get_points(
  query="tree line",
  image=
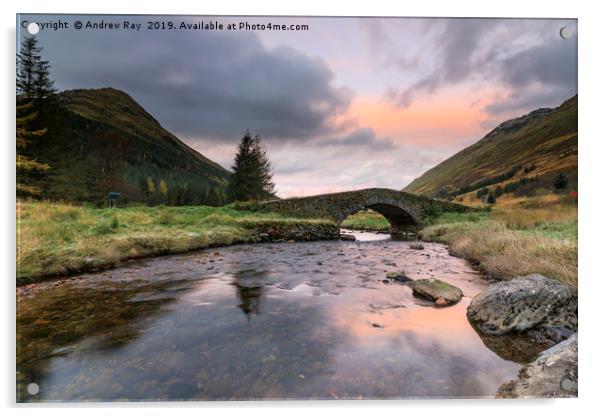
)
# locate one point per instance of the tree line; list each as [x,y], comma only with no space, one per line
[35,89]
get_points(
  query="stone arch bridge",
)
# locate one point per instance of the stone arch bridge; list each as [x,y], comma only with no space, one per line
[406,212]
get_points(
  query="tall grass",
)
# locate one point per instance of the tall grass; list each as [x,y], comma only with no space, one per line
[58,238]
[367,220]
[514,242]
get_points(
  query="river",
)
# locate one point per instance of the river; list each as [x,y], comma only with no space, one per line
[265,321]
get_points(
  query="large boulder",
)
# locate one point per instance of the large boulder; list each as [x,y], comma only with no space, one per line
[552,374]
[532,304]
[443,294]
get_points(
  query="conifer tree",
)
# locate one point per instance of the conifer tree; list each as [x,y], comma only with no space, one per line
[27,61]
[43,86]
[33,73]
[252,178]
[561,181]
[24,136]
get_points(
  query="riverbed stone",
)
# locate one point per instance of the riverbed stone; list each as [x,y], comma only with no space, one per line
[347,237]
[440,302]
[436,290]
[401,277]
[552,374]
[531,304]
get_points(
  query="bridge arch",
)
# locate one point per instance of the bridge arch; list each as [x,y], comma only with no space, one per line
[401,217]
[406,212]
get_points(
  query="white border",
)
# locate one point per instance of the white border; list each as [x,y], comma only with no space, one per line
[589,192]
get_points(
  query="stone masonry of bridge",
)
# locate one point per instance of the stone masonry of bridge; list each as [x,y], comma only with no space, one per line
[406,212]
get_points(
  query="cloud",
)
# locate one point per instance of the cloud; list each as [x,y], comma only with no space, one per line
[525,57]
[213,85]
[457,44]
[301,170]
[362,137]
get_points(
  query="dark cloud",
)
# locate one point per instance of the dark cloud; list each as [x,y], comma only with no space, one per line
[518,102]
[362,137]
[551,63]
[204,84]
[457,46]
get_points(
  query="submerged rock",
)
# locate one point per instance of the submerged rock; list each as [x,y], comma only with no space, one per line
[535,304]
[347,237]
[401,276]
[552,374]
[437,291]
[417,246]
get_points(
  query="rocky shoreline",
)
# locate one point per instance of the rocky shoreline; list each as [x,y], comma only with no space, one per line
[543,310]
[262,233]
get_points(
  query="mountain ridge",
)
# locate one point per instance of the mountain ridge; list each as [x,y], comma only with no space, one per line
[539,145]
[102,140]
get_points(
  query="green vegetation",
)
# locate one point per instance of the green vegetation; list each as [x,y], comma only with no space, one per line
[60,238]
[366,220]
[541,145]
[252,173]
[536,236]
[26,165]
[516,238]
[35,92]
[33,73]
[561,181]
[102,140]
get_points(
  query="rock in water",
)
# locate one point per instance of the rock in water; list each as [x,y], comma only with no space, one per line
[347,237]
[552,374]
[532,303]
[435,289]
[417,246]
[401,277]
[440,302]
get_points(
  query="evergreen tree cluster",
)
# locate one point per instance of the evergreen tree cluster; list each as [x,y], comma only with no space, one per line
[34,87]
[25,134]
[33,72]
[252,177]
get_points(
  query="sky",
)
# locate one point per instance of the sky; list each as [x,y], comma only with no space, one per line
[349,103]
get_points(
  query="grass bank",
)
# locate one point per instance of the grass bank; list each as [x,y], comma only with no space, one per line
[368,220]
[519,236]
[60,238]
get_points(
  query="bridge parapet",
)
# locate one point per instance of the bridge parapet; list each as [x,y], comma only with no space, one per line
[405,211]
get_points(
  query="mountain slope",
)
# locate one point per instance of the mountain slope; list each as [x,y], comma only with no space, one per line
[537,146]
[102,140]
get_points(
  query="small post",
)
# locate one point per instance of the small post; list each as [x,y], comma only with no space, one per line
[113,196]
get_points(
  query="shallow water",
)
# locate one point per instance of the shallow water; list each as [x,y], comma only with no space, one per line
[266,321]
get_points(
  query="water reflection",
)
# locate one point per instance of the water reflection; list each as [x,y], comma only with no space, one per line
[311,320]
[250,299]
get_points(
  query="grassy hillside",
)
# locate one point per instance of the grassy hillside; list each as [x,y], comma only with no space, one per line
[530,149]
[102,140]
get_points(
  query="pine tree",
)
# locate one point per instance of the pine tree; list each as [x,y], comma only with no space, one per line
[43,86]
[33,73]
[24,135]
[27,61]
[561,181]
[252,178]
